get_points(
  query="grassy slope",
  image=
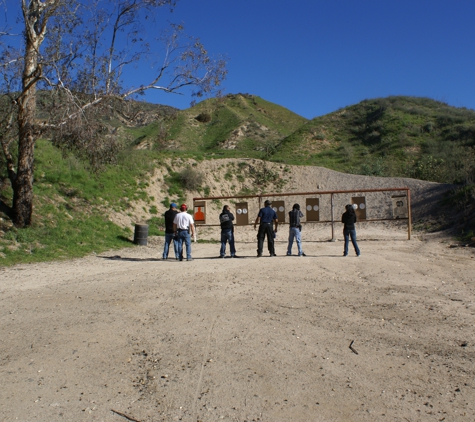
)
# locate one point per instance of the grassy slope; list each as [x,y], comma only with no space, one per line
[71,207]
[394,136]
[260,122]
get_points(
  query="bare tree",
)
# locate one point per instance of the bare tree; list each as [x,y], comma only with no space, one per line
[77,53]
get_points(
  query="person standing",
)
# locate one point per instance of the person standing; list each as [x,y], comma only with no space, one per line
[170,215]
[295,229]
[226,219]
[265,218]
[184,228]
[348,218]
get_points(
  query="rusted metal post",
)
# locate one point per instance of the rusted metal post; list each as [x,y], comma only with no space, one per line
[259,206]
[333,219]
[409,215]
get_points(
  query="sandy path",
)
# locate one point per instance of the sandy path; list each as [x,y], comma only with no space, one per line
[242,339]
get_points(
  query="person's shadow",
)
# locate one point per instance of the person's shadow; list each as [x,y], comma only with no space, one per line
[125,239]
[120,258]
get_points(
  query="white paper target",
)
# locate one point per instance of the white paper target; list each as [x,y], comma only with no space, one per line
[281,208]
[362,206]
[275,209]
[355,206]
[239,211]
[244,211]
[316,208]
[309,208]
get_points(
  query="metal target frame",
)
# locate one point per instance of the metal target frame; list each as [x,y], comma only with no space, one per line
[405,199]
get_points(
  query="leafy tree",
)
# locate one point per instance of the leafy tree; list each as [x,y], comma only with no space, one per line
[73,58]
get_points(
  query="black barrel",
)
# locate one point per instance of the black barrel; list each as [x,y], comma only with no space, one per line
[141,234]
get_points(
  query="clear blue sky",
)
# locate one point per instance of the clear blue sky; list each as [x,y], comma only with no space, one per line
[314,57]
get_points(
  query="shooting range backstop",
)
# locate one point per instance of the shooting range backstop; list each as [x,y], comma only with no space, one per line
[371,205]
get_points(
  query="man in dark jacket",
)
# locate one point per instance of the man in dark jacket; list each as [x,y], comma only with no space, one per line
[294,230]
[226,219]
[169,233]
[265,218]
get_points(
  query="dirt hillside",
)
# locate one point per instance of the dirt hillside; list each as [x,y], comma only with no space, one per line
[228,177]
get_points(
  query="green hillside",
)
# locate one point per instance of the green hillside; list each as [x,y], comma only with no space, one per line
[394,136]
[239,125]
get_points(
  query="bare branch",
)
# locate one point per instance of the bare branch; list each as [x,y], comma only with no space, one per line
[77,53]
[9,34]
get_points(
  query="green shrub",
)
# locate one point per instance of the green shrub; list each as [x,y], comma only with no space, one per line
[376,167]
[203,117]
[156,226]
[188,179]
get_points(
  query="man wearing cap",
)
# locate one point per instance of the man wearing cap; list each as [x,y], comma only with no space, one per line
[265,218]
[183,225]
[170,215]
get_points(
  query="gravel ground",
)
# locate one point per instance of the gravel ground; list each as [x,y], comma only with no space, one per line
[126,336]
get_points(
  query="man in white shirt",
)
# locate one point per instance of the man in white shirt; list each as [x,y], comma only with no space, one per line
[184,228]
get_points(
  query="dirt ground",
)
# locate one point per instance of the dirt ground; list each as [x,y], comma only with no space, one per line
[125,336]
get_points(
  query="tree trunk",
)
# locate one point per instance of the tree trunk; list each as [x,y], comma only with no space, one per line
[23,183]
[23,180]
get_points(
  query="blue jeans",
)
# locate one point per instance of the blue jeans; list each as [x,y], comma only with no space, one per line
[169,238]
[347,234]
[294,233]
[227,236]
[184,236]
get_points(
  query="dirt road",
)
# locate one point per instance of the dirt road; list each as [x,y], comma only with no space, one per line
[126,336]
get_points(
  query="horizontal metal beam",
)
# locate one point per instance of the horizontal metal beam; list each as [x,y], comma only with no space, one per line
[325,192]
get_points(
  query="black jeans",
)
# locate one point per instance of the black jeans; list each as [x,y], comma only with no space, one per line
[265,229]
